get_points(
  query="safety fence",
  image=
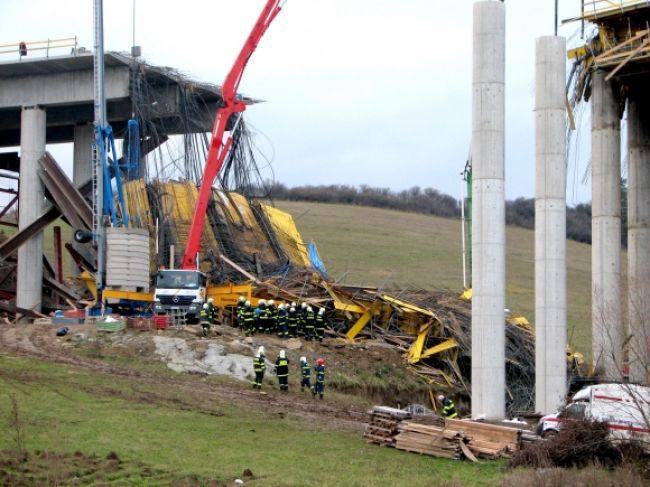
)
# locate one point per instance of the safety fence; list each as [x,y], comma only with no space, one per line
[46,47]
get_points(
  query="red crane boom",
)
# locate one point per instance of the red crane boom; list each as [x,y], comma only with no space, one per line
[219,148]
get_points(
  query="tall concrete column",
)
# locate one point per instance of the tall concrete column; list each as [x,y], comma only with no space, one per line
[488,205]
[638,232]
[29,275]
[607,329]
[82,171]
[550,223]
[82,157]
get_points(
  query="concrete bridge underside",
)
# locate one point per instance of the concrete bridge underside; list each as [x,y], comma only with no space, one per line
[51,100]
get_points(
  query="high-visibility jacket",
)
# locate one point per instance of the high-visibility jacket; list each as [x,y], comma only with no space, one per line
[320,321]
[309,319]
[263,313]
[292,319]
[273,312]
[282,367]
[240,308]
[305,369]
[248,315]
[259,365]
[204,316]
[282,317]
[320,374]
[449,409]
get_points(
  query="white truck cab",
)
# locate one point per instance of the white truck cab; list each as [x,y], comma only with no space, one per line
[624,407]
[180,291]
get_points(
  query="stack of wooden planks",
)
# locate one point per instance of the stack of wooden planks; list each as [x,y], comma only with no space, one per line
[384,424]
[430,440]
[487,440]
[445,438]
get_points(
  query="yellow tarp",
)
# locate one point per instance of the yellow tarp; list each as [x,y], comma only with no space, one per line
[287,235]
[243,231]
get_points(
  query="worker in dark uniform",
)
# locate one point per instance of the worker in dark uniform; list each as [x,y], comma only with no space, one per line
[282,370]
[241,304]
[272,317]
[448,407]
[302,316]
[212,311]
[309,324]
[319,386]
[259,366]
[261,316]
[283,324]
[292,322]
[319,324]
[305,374]
[204,319]
[248,319]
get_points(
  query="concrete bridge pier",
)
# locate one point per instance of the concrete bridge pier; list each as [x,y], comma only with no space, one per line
[488,219]
[29,275]
[638,233]
[607,328]
[550,223]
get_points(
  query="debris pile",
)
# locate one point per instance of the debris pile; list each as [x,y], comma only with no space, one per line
[431,328]
[578,444]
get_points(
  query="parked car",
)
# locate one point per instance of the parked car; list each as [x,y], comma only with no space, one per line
[624,407]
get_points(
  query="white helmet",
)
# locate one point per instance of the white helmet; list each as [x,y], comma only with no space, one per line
[210,300]
[283,354]
[309,308]
[303,359]
[292,309]
[321,311]
[303,305]
[242,299]
[247,303]
[441,397]
[261,351]
[205,306]
[271,302]
[261,301]
[293,305]
[280,306]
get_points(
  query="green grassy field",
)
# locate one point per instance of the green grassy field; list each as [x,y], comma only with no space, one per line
[392,249]
[162,436]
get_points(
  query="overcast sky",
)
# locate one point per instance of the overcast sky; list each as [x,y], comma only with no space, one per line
[372,92]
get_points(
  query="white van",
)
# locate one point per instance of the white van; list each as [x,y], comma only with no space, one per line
[624,407]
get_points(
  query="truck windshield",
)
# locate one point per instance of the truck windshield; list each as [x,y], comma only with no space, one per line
[179,280]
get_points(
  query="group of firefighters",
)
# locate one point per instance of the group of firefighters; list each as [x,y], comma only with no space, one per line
[282,372]
[285,320]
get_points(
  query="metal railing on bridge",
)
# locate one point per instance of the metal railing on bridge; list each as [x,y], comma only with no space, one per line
[46,47]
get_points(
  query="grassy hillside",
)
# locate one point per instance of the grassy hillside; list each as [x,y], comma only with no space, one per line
[129,422]
[391,249]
